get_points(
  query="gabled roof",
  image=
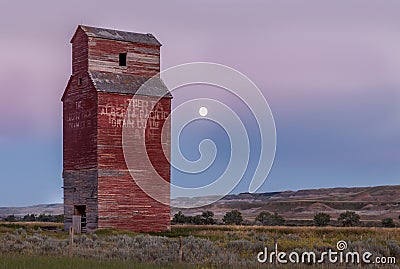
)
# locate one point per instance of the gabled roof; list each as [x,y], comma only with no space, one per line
[66,88]
[148,39]
[128,84]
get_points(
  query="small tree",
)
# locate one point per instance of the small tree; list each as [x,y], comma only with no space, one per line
[388,223]
[349,218]
[10,218]
[30,217]
[179,218]
[322,219]
[59,218]
[267,218]
[263,217]
[233,217]
[207,218]
[45,218]
[196,220]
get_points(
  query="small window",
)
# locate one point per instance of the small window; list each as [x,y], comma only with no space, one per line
[79,81]
[122,59]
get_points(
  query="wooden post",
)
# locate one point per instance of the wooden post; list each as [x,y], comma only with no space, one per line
[359,251]
[71,241]
[180,249]
[276,251]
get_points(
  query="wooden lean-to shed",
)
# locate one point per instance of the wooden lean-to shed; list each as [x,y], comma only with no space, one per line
[108,68]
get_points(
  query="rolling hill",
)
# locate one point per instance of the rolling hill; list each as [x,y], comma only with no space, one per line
[371,203]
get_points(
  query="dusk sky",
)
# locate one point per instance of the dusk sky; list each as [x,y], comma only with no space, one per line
[330,71]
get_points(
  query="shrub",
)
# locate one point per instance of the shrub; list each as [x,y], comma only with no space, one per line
[349,218]
[50,218]
[388,223]
[233,217]
[179,218]
[322,219]
[267,218]
[11,218]
[207,218]
[30,217]
[394,248]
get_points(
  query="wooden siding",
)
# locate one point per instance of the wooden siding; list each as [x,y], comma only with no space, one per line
[80,125]
[95,173]
[142,60]
[121,203]
[80,188]
[79,52]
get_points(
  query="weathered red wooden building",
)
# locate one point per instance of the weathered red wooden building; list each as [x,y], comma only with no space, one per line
[108,68]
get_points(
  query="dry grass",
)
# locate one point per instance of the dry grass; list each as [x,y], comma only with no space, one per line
[212,246]
[32,224]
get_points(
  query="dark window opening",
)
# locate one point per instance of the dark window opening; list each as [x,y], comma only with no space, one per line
[80,210]
[79,81]
[122,59]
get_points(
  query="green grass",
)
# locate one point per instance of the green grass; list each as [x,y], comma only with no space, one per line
[111,231]
[219,232]
[288,237]
[35,227]
[43,262]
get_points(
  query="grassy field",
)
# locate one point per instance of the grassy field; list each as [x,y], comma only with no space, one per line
[43,262]
[36,245]
[288,237]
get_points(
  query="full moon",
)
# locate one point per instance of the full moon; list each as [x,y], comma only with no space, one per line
[203,111]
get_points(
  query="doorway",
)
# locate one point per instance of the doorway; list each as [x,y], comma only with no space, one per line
[80,217]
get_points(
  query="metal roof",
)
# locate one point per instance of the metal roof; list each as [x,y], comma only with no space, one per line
[120,35]
[129,84]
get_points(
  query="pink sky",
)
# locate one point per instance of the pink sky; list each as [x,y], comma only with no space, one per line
[329,69]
